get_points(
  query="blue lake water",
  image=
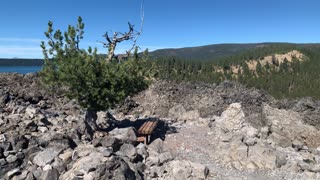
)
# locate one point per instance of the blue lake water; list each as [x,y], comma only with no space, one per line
[20,69]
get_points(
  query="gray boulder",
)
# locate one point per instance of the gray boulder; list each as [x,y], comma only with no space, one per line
[4,99]
[124,134]
[232,119]
[177,170]
[47,156]
[289,126]
[176,111]
[142,150]
[156,147]
[51,174]
[31,112]
[93,164]
[297,145]
[281,160]
[112,142]
[13,172]
[165,157]
[129,150]
[20,142]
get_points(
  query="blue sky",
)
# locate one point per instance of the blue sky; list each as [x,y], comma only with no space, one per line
[168,23]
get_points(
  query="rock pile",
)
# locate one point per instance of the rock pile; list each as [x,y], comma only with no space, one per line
[285,142]
[193,101]
[41,138]
[249,130]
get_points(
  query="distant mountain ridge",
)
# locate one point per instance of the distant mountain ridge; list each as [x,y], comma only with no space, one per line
[215,51]
[206,52]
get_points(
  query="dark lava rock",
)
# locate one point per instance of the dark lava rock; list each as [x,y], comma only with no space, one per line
[4,99]
[20,142]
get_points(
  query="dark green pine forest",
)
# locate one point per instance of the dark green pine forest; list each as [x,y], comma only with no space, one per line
[286,79]
[215,63]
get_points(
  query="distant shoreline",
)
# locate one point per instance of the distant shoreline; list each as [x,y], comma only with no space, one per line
[21,62]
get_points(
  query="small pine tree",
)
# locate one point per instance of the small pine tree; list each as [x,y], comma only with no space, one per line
[284,66]
[95,83]
[259,68]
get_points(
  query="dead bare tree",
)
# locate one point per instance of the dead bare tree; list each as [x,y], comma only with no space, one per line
[119,37]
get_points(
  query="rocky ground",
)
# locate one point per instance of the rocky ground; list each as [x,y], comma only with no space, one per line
[205,132]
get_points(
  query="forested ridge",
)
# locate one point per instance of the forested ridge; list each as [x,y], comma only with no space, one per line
[217,62]
[218,51]
[291,79]
[208,52]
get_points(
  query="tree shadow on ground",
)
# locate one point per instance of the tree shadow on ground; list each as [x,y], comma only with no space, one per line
[162,128]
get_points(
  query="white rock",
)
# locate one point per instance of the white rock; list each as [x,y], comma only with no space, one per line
[31,111]
[231,119]
[42,129]
[264,132]
[47,167]
[2,138]
[251,165]
[66,155]
[13,172]
[250,141]
[89,176]
[11,158]
[251,132]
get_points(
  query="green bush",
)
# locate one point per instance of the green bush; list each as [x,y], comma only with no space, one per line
[85,75]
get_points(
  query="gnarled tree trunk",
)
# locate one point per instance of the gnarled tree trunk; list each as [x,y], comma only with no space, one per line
[112,48]
[89,126]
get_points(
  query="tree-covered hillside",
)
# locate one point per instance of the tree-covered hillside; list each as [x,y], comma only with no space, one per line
[289,77]
[216,63]
[210,52]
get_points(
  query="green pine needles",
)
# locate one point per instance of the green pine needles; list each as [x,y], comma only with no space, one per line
[86,76]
